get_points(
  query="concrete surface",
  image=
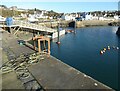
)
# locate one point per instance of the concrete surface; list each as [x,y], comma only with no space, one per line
[54,74]
[10,81]
[50,73]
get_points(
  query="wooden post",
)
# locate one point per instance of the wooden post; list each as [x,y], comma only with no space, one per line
[39,46]
[10,30]
[3,26]
[33,33]
[34,44]
[44,44]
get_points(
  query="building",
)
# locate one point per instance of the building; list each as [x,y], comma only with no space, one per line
[116,17]
[3,7]
[88,17]
[41,14]
[68,17]
[13,8]
[22,10]
[32,18]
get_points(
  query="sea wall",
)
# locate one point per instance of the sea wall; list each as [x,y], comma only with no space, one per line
[118,31]
[88,23]
[84,23]
[55,24]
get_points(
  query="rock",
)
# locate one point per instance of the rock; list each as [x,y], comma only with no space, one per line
[118,31]
[95,84]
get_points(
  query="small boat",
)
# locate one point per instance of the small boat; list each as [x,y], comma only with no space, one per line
[69,31]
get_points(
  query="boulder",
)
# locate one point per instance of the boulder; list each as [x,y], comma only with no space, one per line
[118,31]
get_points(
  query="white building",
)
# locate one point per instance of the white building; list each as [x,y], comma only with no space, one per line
[41,14]
[32,18]
[101,18]
[68,17]
[22,10]
[13,8]
[116,17]
[2,19]
[95,18]
[88,17]
[23,15]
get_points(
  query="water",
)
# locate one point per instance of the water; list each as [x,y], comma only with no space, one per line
[82,51]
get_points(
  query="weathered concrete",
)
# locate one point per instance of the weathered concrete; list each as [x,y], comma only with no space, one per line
[54,74]
[10,81]
[84,23]
[11,49]
[11,46]
[50,73]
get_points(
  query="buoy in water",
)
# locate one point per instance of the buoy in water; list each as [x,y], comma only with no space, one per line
[108,47]
[104,49]
[58,42]
[101,52]
[113,47]
[117,48]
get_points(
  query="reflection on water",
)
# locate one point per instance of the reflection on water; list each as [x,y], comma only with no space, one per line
[82,51]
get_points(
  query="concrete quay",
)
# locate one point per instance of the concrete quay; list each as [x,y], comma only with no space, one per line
[50,73]
[54,74]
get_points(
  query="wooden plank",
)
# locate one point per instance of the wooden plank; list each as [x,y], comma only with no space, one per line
[17,30]
[39,46]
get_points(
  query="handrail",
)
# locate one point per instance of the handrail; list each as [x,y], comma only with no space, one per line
[33,26]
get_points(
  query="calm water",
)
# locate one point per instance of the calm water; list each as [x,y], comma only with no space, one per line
[82,51]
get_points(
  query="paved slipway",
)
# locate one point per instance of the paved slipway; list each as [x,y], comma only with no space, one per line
[50,73]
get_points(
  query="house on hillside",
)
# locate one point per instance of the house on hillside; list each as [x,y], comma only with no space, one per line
[32,18]
[41,14]
[2,19]
[13,8]
[88,17]
[68,17]
[116,17]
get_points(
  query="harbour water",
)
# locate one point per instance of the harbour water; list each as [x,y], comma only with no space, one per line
[82,51]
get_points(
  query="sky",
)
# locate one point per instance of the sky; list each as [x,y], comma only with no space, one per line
[66,7]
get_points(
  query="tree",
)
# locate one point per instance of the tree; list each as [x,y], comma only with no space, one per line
[3,6]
